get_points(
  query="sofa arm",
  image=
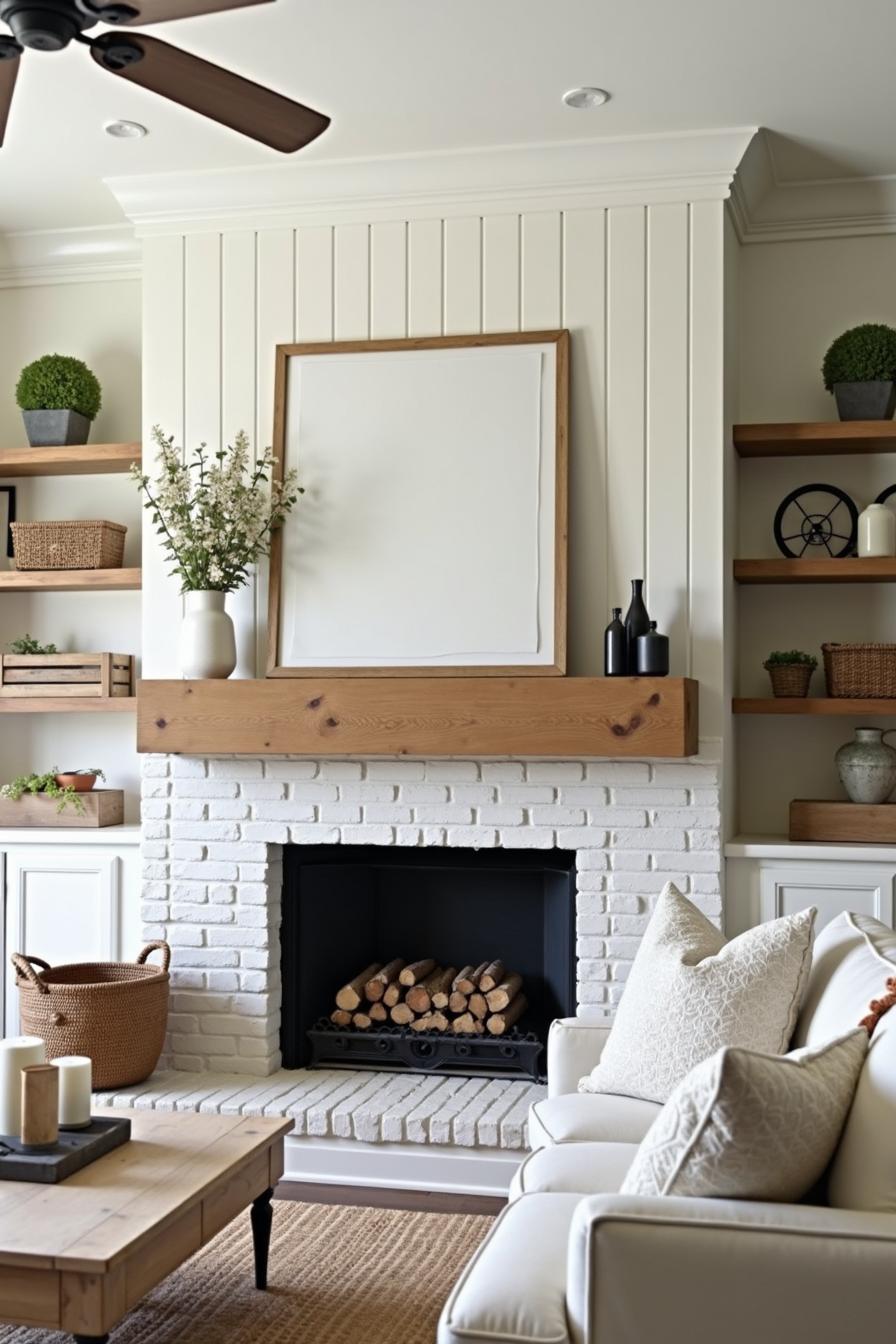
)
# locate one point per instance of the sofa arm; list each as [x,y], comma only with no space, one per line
[574,1047]
[706,1270]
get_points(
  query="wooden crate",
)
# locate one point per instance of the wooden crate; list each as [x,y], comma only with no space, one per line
[848,823]
[102,807]
[79,675]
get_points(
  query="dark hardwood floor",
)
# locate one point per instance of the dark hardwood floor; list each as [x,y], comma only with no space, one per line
[373,1197]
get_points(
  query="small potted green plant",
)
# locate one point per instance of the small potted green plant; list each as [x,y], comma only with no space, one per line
[790,672]
[860,369]
[58,397]
[65,788]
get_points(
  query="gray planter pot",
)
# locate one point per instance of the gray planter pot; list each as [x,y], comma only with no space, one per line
[55,428]
[865,401]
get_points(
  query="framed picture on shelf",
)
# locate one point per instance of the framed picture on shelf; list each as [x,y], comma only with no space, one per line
[431,537]
[7,516]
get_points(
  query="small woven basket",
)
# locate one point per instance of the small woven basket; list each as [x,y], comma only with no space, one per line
[114,1012]
[93,544]
[789,680]
[860,671]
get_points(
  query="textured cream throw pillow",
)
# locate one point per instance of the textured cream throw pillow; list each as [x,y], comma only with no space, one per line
[689,993]
[749,1126]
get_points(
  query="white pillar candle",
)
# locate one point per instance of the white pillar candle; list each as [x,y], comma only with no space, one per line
[75,1078]
[16,1054]
[877,531]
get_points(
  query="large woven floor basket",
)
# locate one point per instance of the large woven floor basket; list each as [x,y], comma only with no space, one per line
[115,1012]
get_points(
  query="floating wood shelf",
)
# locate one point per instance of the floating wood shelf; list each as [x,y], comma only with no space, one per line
[67,704]
[768,704]
[90,459]
[70,580]
[852,569]
[816,439]
[421,716]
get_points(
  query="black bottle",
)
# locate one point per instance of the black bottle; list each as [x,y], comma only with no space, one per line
[637,622]
[615,647]
[653,654]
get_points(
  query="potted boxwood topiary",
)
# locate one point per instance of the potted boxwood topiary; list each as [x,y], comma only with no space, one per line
[59,397]
[790,672]
[860,369]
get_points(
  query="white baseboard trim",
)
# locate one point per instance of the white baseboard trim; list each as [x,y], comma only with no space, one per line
[402,1166]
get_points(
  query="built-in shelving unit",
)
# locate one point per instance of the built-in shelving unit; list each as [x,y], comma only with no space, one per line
[814,705]
[93,459]
[70,580]
[851,569]
[816,438]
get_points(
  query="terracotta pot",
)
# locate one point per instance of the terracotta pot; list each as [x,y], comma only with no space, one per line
[80,783]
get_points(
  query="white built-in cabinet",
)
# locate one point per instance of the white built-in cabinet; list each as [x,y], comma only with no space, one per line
[767,878]
[68,896]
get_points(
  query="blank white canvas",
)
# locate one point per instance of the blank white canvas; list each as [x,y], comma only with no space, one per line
[426,533]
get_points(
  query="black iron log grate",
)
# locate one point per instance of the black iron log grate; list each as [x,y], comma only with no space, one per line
[514,1055]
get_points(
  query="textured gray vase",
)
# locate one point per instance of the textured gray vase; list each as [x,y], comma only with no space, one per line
[874,400]
[867,766]
[47,429]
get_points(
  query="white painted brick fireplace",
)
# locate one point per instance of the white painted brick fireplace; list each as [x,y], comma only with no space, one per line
[214,828]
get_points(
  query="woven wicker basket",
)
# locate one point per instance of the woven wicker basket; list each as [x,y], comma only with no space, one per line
[860,671]
[94,544]
[789,680]
[115,1012]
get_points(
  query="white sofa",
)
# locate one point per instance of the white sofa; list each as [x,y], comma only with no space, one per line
[571,1260]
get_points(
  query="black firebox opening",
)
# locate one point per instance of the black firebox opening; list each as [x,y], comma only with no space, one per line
[345,906]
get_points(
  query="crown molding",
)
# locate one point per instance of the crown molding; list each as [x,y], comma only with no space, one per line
[69,256]
[764,209]
[624,170]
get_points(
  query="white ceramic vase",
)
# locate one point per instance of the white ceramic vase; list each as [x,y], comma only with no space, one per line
[877,531]
[207,643]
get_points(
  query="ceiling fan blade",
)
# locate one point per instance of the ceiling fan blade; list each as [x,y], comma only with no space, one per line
[9,69]
[210,90]
[133,12]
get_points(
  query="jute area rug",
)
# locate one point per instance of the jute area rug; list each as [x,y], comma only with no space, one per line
[337,1275]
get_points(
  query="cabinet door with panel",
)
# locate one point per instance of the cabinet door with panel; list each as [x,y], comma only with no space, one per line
[864,888]
[61,905]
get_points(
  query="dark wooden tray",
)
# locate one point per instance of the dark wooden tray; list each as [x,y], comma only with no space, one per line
[75,1149]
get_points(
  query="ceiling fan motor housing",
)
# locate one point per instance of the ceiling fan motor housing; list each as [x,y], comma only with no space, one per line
[44,25]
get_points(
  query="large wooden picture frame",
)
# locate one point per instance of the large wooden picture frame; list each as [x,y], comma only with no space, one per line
[431,538]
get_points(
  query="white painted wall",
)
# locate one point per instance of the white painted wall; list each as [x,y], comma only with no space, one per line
[794,298]
[639,286]
[99,322]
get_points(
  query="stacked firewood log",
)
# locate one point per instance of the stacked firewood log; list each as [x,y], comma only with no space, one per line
[473,1001]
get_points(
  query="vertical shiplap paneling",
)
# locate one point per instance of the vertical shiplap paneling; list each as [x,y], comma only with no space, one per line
[707,437]
[238,362]
[314,283]
[462,304]
[275,318]
[667,425]
[584,306]
[501,273]
[388,280]
[424,278]
[626,241]
[541,260]
[163,404]
[202,341]
[351,260]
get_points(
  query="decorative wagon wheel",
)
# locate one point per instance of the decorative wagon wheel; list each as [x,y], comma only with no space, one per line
[886,495]
[818,519]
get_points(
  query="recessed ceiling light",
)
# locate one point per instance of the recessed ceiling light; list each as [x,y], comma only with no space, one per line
[585,98]
[125,130]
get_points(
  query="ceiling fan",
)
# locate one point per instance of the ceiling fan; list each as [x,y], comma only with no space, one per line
[50,25]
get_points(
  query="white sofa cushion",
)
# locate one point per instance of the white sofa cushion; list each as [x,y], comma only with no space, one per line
[744,1125]
[580,1117]
[851,960]
[514,1287]
[690,993]
[586,1168]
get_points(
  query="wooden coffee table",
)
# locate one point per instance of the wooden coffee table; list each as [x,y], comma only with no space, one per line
[77,1256]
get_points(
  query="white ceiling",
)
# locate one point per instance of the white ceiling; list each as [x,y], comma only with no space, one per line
[405,76]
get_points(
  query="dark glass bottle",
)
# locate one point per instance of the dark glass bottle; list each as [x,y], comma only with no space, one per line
[615,647]
[653,654]
[637,622]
